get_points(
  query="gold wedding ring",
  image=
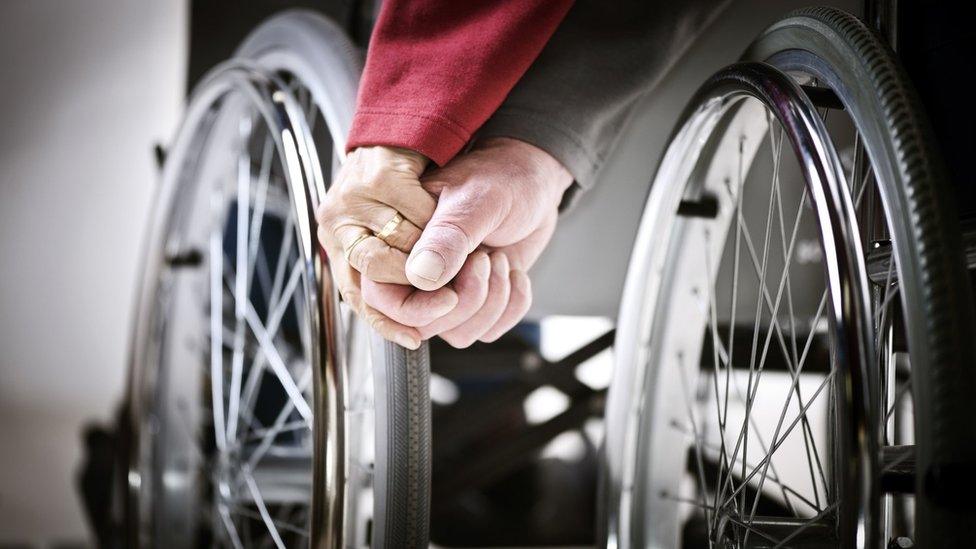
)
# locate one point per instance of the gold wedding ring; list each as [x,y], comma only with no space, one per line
[390,226]
[384,233]
[356,242]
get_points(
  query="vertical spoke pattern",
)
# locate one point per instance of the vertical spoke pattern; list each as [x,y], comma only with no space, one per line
[265,337]
[748,479]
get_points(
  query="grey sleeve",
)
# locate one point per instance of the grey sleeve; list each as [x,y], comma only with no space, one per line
[579,93]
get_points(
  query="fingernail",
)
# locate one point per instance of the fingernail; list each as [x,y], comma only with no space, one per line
[428,265]
[406,341]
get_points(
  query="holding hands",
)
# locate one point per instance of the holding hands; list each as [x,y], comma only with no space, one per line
[444,253]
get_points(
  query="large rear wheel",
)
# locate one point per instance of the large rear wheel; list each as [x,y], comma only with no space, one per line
[779,316]
[262,411]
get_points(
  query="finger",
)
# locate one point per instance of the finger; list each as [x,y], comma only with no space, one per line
[391,177]
[347,281]
[402,234]
[471,286]
[499,289]
[396,230]
[411,200]
[518,305]
[372,257]
[458,226]
[522,255]
[408,305]
[391,330]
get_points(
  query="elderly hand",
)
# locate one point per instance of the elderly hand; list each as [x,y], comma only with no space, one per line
[496,210]
[374,186]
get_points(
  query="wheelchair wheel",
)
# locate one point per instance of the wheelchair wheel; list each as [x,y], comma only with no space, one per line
[794,346]
[262,412]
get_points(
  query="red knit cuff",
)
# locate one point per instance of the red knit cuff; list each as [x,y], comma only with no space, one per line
[433,136]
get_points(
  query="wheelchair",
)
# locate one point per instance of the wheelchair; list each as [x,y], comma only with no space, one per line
[793,354]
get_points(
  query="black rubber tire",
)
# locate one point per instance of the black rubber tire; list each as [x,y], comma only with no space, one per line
[403,447]
[937,299]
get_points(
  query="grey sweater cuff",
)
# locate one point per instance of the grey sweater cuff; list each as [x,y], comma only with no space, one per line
[582,89]
[546,133]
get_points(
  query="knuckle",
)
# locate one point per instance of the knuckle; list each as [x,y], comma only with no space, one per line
[451,236]
[369,181]
[404,238]
[324,235]
[375,319]
[322,210]
[522,289]
[427,332]
[361,259]
[406,315]
[350,296]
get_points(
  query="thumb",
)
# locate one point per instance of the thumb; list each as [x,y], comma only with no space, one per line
[457,228]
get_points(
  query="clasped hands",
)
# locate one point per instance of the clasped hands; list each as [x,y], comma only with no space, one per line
[443,253]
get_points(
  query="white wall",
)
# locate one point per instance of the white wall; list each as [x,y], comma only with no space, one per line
[86,88]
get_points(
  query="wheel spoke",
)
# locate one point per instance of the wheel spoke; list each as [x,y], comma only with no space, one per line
[262,433]
[229,527]
[275,317]
[254,240]
[808,438]
[791,366]
[284,253]
[278,522]
[801,416]
[762,442]
[716,344]
[240,275]
[735,292]
[902,391]
[773,477]
[262,509]
[276,363]
[809,523]
[253,382]
[690,410]
[744,435]
[272,433]
[777,442]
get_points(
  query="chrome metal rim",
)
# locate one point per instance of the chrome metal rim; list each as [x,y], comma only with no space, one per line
[182,487]
[646,484]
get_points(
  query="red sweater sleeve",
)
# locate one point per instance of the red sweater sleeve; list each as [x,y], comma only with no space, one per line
[437,69]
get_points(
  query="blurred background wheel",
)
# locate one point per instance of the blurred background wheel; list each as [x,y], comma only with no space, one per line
[262,412]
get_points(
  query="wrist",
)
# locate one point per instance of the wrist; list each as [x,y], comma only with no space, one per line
[536,161]
[397,158]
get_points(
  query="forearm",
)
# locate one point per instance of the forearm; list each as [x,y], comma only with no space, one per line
[581,90]
[437,69]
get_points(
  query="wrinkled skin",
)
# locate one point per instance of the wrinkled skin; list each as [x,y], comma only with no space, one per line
[456,266]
